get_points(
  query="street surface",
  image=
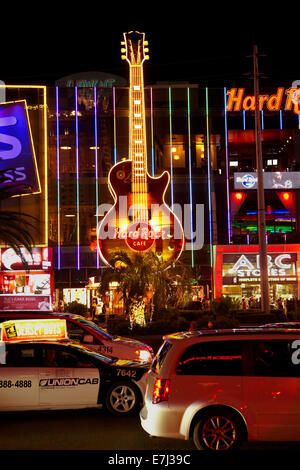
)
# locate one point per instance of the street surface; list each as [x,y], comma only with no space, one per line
[92,429]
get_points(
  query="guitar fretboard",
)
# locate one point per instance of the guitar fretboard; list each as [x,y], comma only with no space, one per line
[137,143]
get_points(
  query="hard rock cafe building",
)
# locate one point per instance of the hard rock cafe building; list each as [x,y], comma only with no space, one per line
[205,138]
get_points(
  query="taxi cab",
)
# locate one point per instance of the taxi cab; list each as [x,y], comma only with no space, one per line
[40,368]
[87,333]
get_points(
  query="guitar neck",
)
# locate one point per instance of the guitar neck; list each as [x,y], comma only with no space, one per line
[137,127]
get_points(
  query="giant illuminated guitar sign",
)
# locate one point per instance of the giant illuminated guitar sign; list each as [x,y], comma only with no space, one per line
[140,220]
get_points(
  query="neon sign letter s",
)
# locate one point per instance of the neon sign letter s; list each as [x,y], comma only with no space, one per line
[15,144]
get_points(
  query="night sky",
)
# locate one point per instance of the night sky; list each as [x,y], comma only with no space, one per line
[205,45]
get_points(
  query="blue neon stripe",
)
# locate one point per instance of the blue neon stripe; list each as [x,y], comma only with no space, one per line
[244,120]
[96,172]
[280,119]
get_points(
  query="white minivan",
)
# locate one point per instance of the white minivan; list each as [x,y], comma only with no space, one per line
[223,387]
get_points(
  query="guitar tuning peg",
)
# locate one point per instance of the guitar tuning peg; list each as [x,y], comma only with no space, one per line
[147,57]
[146,49]
[122,43]
[146,43]
[123,49]
[123,57]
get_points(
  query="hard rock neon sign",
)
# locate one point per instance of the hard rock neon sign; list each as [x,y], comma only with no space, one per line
[282,99]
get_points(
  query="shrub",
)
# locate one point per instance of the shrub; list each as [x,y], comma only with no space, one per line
[76,308]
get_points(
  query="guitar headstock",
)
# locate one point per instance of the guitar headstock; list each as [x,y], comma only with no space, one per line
[134,50]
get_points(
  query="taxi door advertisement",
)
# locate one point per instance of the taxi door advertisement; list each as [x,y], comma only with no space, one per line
[68,386]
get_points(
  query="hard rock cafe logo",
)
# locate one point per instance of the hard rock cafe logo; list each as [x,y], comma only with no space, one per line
[238,101]
[140,236]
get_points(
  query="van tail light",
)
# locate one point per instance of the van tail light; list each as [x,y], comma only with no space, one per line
[161,390]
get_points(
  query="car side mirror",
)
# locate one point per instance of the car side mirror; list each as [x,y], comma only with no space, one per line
[88,339]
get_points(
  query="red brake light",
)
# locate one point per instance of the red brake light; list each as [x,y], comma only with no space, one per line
[161,390]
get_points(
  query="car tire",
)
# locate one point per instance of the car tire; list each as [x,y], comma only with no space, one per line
[218,430]
[123,398]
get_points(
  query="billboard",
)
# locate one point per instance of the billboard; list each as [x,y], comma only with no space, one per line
[38,259]
[272,180]
[245,267]
[18,166]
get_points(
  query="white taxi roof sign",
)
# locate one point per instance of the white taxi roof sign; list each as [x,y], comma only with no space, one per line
[16,330]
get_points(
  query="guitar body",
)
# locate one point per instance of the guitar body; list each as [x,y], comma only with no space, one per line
[119,230]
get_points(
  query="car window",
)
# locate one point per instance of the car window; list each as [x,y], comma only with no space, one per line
[22,356]
[92,325]
[61,357]
[212,358]
[77,333]
[160,357]
[276,358]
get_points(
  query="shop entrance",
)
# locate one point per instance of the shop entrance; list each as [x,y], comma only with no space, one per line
[276,291]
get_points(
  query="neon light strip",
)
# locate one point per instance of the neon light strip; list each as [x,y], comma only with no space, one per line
[77,177]
[96,173]
[40,87]
[209,177]
[298,121]
[244,120]
[46,165]
[152,138]
[227,166]
[171,145]
[58,181]
[190,177]
[280,119]
[262,121]
[115,133]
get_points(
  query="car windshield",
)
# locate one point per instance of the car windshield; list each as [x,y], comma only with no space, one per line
[92,325]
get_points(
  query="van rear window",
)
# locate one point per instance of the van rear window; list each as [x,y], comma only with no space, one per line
[212,358]
[160,357]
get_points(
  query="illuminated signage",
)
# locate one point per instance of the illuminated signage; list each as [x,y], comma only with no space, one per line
[272,180]
[91,80]
[33,330]
[39,259]
[281,266]
[18,167]
[282,99]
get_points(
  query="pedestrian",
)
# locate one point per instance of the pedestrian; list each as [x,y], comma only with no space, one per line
[93,309]
[244,305]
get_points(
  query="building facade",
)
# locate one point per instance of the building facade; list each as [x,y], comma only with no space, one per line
[205,138]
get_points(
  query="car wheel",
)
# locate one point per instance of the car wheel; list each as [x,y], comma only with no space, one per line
[123,398]
[218,430]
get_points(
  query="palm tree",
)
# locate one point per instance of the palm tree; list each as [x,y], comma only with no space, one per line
[146,272]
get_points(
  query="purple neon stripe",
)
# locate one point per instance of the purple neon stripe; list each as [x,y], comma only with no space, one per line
[77,176]
[96,172]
